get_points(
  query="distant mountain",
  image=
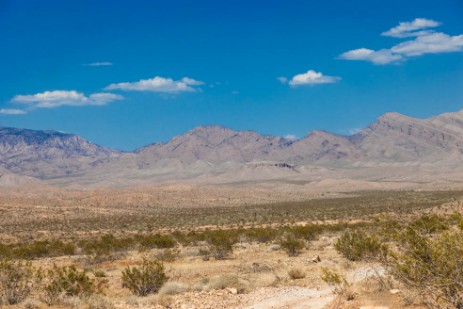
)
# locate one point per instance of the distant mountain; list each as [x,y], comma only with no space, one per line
[214,144]
[49,154]
[209,152]
[398,138]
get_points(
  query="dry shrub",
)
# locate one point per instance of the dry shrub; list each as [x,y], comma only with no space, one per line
[296,273]
[98,302]
[228,281]
[173,288]
[168,255]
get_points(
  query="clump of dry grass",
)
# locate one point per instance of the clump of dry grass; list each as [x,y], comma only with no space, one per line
[296,273]
[173,288]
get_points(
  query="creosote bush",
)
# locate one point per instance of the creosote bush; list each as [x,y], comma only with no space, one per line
[430,264]
[68,281]
[357,245]
[146,279]
[16,281]
[220,245]
[291,245]
[335,280]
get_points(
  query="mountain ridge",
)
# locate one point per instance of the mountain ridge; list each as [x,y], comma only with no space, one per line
[392,138]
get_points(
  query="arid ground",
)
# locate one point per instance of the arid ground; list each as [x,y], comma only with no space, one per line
[109,230]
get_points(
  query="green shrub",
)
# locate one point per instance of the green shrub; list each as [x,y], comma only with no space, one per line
[307,232]
[69,281]
[357,246]
[42,248]
[336,281]
[430,224]
[431,265]
[220,245]
[16,281]
[261,235]
[205,254]
[168,255]
[159,241]
[332,277]
[146,279]
[292,246]
[108,247]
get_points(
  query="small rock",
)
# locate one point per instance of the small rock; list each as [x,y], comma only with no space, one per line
[394,291]
[232,290]
[316,259]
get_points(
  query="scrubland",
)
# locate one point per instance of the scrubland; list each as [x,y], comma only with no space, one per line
[394,249]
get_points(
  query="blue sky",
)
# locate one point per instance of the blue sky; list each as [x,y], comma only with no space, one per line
[127,73]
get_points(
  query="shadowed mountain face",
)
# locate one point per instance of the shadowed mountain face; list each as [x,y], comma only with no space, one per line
[48,154]
[392,138]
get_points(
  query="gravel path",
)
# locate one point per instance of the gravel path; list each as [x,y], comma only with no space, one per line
[291,298]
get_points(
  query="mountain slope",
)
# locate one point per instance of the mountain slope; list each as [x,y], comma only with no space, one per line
[399,138]
[425,146]
[48,154]
[213,144]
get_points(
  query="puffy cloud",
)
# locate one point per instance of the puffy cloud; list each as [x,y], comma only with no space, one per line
[282,79]
[424,42]
[432,43]
[100,64]
[11,111]
[56,98]
[382,56]
[159,84]
[312,78]
[407,29]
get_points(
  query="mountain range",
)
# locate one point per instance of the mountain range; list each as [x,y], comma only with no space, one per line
[388,150]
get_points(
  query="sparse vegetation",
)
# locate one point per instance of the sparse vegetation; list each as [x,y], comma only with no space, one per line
[421,251]
[291,245]
[16,281]
[357,245]
[68,281]
[296,273]
[430,264]
[146,279]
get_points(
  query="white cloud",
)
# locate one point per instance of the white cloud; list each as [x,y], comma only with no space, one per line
[432,43]
[382,56]
[407,29]
[312,78]
[56,98]
[159,84]
[424,42]
[354,131]
[282,79]
[12,111]
[291,137]
[100,64]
